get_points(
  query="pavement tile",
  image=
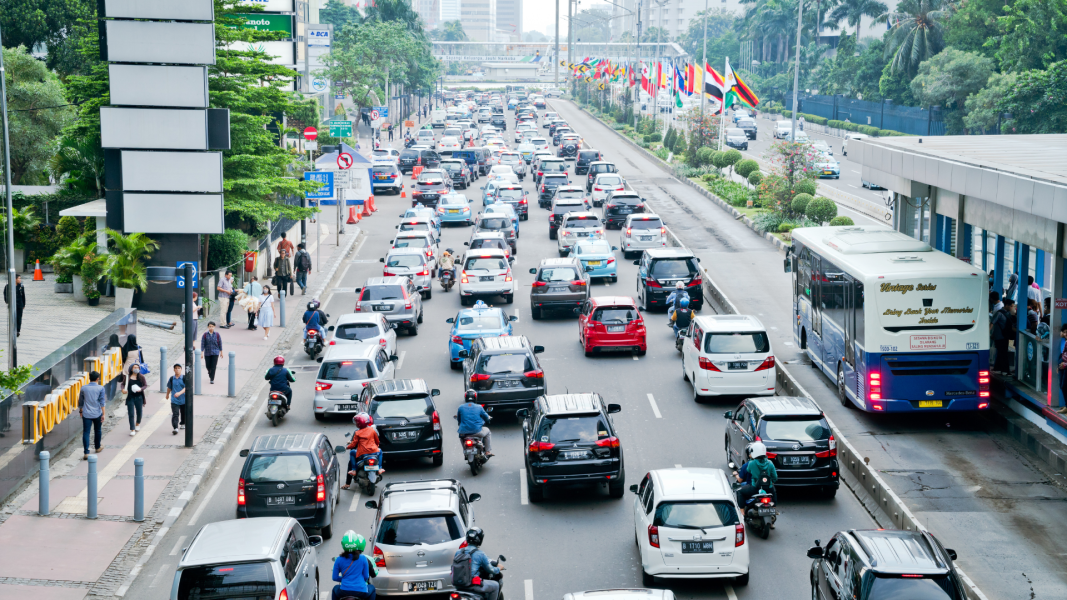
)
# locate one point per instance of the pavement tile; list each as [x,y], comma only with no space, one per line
[118,496]
[94,543]
[41,592]
[159,461]
[164,436]
[58,490]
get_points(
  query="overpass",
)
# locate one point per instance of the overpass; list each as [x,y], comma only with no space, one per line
[499,52]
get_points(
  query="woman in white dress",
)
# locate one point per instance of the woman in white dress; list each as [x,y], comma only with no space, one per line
[265,319]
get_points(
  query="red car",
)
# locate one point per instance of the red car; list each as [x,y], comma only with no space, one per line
[611,322]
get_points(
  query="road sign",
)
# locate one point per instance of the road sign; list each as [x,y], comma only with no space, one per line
[311,145]
[181,276]
[1061,303]
[325,177]
[340,128]
[383,111]
[409,123]
[310,133]
[319,85]
[344,161]
[375,115]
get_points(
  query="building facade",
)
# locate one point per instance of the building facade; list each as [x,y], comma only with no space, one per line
[509,19]
[451,10]
[479,20]
[430,11]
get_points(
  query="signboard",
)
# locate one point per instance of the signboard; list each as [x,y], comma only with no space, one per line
[311,145]
[281,53]
[928,342]
[375,115]
[340,96]
[273,5]
[340,128]
[310,133]
[1061,304]
[344,161]
[319,85]
[268,22]
[409,124]
[318,37]
[325,177]
[181,276]
[383,112]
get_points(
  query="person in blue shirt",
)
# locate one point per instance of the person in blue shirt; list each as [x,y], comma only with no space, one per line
[674,299]
[280,378]
[483,574]
[474,421]
[315,319]
[352,570]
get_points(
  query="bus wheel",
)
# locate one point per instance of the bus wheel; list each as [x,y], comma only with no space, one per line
[841,387]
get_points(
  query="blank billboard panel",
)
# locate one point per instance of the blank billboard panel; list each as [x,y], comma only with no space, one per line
[172,213]
[158,85]
[176,10]
[160,128]
[157,42]
[172,171]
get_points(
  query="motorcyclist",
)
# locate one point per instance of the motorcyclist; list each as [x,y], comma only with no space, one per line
[352,570]
[474,421]
[753,471]
[364,442]
[447,263]
[675,298]
[280,378]
[314,319]
[481,570]
[682,317]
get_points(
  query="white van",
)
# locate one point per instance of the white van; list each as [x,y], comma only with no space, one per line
[437,117]
[782,128]
[851,136]
[728,355]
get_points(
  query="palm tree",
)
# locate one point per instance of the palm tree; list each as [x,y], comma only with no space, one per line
[395,10]
[453,32]
[916,32]
[125,262]
[852,11]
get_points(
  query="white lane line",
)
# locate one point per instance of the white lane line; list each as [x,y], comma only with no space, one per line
[516,315]
[655,407]
[345,272]
[159,576]
[855,171]
[635,357]
[528,584]
[730,592]
[677,466]
[523,495]
[325,595]
[852,186]
[356,495]
[400,363]
[178,545]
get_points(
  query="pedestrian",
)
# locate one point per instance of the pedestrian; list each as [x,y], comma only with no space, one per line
[285,247]
[211,346]
[1003,328]
[302,264]
[131,355]
[227,295]
[135,400]
[176,395]
[113,342]
[283,272]
[197,312]
[1033,315]
[1033,291]
[20,303]
[92,406]
[266,312]
[253,290]
[1063,366]
[390,132]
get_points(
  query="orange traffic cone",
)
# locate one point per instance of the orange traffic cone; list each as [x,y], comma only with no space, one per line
[403,194]
[353,216]
[37,274]
[366,208]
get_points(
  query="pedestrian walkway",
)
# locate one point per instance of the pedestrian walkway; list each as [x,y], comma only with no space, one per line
[72,557]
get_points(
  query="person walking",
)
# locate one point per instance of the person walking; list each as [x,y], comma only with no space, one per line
[211,346]
[266,312]
[226,294]
[198,310]
[285,247]
[135,400]
[1063,366]
[390,132]
[131,355]
[283,272]
[253,290]
[302,264]
[92,406]
[176,395]
[20,302]
[1004,329]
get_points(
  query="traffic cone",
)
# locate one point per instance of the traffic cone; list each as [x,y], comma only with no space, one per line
[373,209]
[366,208]
[403,194]
[353,216]
[37,274]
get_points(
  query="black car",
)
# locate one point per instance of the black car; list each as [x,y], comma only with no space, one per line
[749,126]
[586,158]
[406,418]
[569,439]
[797,436]
[548,186]
[428,192]
[469,156]
[619,205]
[291,475]
[516,197]
[568,148]
[559,134]
[411,158]
[459,172]
[499,122]
[661,269]
[596,168]
[504,370]
[866,564]
[566,199]
[556,125]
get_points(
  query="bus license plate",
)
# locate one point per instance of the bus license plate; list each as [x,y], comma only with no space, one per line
[421,586]
[279,500]
[737,365]
[930,404]
[698,547]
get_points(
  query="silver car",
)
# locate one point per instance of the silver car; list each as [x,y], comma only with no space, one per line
[344,372]
[640,231]
[423,240]
[515,161]
[411,263]
[574,226]
[486,273]
[395,297]
[364,328]
[418,527]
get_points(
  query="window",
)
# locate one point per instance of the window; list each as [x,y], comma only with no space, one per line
[381,361]
[415,531]
[356,331]
[857,301]
[325,452]
[804,274]
[674,268]
[650,497]
[695,515]
[346,370]
[246,581]
[280,467]
[926,587]
[504,364]
[382,292]
[645,224]
[402,407]
[494,223]
[588,428]
[832,293]
[582,222]
[737,341]
[409,261]
[615,314]
[411,242]
[486,263]
[557,274]
[797,429]
[474,322]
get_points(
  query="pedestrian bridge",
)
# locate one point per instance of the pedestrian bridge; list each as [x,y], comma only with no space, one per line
[497,52]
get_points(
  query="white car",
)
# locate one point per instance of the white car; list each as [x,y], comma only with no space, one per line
[486,273]
[641,231]
[413,264]
[422,240]
[425,136]
[728,355]
[688,526]
[345,371]
[385,154]
[363,328]
[448,144]
[576,226]
[822,147]
[504,172]
[515,161]
[605,183]
[851,136]
[548,117]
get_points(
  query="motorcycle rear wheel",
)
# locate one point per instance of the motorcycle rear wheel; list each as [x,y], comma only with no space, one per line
[274,419]
[765,529]
[475,467]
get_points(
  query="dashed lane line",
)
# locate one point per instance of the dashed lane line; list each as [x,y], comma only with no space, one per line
[655,407]
[178,545]
[356,495]
[400,363]
[730,592]
[528,584]
[163,570]
[523,492]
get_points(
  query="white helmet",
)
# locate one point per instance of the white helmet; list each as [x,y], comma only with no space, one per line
[757,449]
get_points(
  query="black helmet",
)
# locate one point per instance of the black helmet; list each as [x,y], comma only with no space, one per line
[313,305]
[475,536]
[470,396]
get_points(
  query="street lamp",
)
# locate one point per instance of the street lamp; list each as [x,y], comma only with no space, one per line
[166,275]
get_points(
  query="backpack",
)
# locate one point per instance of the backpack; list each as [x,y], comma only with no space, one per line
[303,261]
[757,477]
[462,569]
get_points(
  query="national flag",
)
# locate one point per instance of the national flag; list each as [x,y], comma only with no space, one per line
[692,79]
[677,97]
[679,80]
[630,71]
[713,83]
[738,88]
[646,82]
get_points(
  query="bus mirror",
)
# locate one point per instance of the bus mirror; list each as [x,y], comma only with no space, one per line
[788,265]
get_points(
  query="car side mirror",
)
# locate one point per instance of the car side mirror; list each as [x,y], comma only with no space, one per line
[315,540]
[330,328]
[371,504]
[339,449]
[951,553]
[605,221]
[358,290]
[319,359]
[588,269]
[394,326]
[466,243]
[728,415]
[464,354]
[522,413]
[244,453]
[633,488]
[511,259]
[815,552]
[474,497]
[614,408]
[788,264]
[533,271]
[381,260]
[513,318]
[450,320]
[435,392]
[539,349]
[637,262]
[732,465]
[614,248]
[393,358]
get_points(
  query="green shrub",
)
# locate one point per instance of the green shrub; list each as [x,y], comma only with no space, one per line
[718,160]
[704,156]
[661,153]
[821,210]
[868,130]
[707,177]
[813,118]
[754,178]
[646,138]
[656,137]
[680,147]
[841,222]
[746,167]
[735,194]
[67,229]
[805,186]
[786,227]
[226,249]
[731,157]
[644,144]
[800,202]
[668,140]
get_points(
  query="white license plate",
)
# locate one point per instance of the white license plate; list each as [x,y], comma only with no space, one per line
[616,328]
[279,500]
[765,512]
[698,547]
[421,586]
[369,467]
[405,435]
[553,290]
[575,455]
[646,238]
[737,365]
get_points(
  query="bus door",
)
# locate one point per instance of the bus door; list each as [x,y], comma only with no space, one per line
[815,336]
[850,330]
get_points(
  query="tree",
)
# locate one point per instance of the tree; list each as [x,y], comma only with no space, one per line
[948,79]
[383,11]
[1034,34]
[853,11]
[47,22]
[723,40]
[453,32]
[594,25]
[337,14]
[916,34]
[363,55]
[37,114]
[1036,101]
[982,113]
[821,210]
[80,158]
[895,86]
[972,26]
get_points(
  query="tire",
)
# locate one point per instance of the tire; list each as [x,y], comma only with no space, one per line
[429,293]
[647,580]
[696,394]
[615,279]
[419,320]
[645,304]
[535,494]
[327,531]
[474,467]
[536,313]
[617,489]
[320,416]
[551,235]
[463,301]
[562,253]
[642,352]
[829,492]
[455,366]
[438,459]
[726,447]
[742,580]
[765,530]
[685,374]
[413,330]
[274,419]
[841,395]
[509,298]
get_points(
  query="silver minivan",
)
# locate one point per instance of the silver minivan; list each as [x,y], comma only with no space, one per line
[640,231]
[411,263]
[271,556]
[395,297]
[344,372]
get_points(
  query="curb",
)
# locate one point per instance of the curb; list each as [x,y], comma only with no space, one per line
[205,467]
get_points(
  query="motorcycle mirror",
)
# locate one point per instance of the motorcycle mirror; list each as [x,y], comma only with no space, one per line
[330,328]
[450,320]
[815,552]
[474,497]
[501,558]
[339,449]
[314,540]
[522,413]
[732,465]
[614,408]
[371,504]
[539,349]
[637,262]
[728,414]
[319,359]
[244,453]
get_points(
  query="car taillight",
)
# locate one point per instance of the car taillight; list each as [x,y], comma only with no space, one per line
[241,492]
[620,190]
[609,206]
[831,452]
[523,201]
[696,281]
[739,535]
[379,557]
[663,231]
[284,595]
[540,284]
[320,489]
[609,442]
[321,387]
[771,455]
[652,283]
[479,377]
[983,386]
[628,230]
[463,277]
[423,272]
[386,273]
[407,305]
[653,536]
[875,380]
[578,282]
[611,260]
[541,446]
[768,363]
[457,340]
[707,365]
[436,421]
[596,189]
[507,277]
[535,374]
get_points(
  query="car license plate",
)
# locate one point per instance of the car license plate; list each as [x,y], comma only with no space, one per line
[930,404]
[487,278]
[554,290]
[698,547]
[583,234]
[405,435]
[383,307]
[381,177]
[421,586]
[616,328]
[507,383]
[737,365]
[575,455]
[347,407]
[279,500]
[765,512]
[646,238]
[594,263]
[795,460]
[452,211]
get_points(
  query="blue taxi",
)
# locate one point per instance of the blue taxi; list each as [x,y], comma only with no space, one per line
[386,176]
[479,321]
[598,258]
[454,208]
[424,211]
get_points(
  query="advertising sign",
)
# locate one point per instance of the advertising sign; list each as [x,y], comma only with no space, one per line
[318,37]
[268,22]
[273,5]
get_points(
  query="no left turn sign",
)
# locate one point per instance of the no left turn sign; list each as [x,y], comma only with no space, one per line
[344,161]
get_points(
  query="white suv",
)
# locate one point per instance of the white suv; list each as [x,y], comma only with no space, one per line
[346,370]
[688,526]
[640,231]
[577,226]
[728,355]
[486,273]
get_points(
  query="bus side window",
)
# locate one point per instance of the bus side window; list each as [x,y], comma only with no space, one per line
[857,301]
[804,274]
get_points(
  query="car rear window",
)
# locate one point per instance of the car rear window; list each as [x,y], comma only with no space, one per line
[409,154]
[553,166]
[555,180]
[476,322]
[630,200]
[487,263]
[509,193]
[674,268]
[382,292]
[452,166]
[418,242]
[615,314]
[243,581]
[557,274]
[609,180]
[404,407]
[454,200]
[800,429]
[346,370]
[695,515]
[646,224]
[417,226]
[912,587]
[582,428]
[504,364]
[589,154]
[736,342]
[405,260]
[582,222]
[570,195]
[356,331]
[488,243]
[415,531]
[601,168]
[280,467]
[383,170]
[494,223]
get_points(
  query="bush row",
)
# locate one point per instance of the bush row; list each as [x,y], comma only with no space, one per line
[835,123]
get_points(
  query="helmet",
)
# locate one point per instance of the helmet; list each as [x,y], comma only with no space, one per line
[470,396]
[279,361]
[757,449]
[353,542]
[475,536]
[449,250]
[363,420]
[679,286]
[684,302]
[314,305]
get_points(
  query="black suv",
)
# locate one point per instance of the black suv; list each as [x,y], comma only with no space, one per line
[571,438]
[586,158]
[499,121]
[619,205]
[866,564]
[558,133]
[516,197]
[549,183]
[429,191]
[798,439]
[409,159]
[405,416]
[568,149]
[504,371]
[661,269]
[596,168]
[291,475]
[556,125]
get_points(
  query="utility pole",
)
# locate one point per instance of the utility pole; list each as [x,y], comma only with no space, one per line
[12,329]
[557,44]
[703,61]
[570,39]
[796,75]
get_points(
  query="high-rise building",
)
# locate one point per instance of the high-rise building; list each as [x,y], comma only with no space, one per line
[509,18]
[479,20]
[429,10]
[451,10]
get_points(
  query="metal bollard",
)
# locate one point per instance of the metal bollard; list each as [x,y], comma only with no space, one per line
[90,509]
[42,488]
[281,303]
[232,373]
[138,489]
[197,368]
[162,369]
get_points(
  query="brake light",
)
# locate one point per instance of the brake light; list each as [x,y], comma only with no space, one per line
[765,500]
[461,546]
[436,421]
[768,363]
[379,557]
[611,260]
[771,455]
[653,536]
[523,201]
[663,231]
[479,377]
[387,273]
[577,282]
[407,305]
[628,230]
[457,340]
[284,595]
[620,189]
[241,492]
[739,535]
[609,206]
[875,381]
[463,277]
[535,374]
[597,189]
[423,272]
[696,281]
[507,277]
[469,443]
[322,387]
[983,386]
[541,446]
[652,283]
[320,489]
[609,442]
[707,365]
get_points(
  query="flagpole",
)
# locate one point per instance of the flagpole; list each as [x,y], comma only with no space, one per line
[704,59]
[796,74]
[557,45]
[722,110]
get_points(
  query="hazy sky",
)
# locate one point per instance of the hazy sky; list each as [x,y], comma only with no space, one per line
[539,14]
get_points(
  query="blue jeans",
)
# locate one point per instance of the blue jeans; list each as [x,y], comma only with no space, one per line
[338,593]
[229,311]
[95,425]
[302,279]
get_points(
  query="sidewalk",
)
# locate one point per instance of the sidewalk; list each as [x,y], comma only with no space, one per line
[72,557]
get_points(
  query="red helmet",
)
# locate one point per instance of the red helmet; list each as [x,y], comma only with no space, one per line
[363,420]
[279,361]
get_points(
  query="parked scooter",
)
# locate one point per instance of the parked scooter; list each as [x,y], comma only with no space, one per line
[759,510]
[471,594]
[473,448]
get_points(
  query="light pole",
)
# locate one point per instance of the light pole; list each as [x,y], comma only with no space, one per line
[557,44]
[796,76]
[703,61]
[12,330]
[166,275]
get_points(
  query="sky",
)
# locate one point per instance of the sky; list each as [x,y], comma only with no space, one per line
[537,15]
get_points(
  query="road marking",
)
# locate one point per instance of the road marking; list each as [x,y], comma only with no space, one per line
[159,576]
[677,466]
[516,315]
[356,495]
[400,363]
[730,592]
[528,584]
[635,357]
[852,186]
[345,272]
[854,171]
[523,492]
[655,407]
[178,545]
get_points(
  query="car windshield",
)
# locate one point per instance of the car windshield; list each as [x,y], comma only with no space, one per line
[582,222]
[558,274]
[675,268]
[280,467]
[735,342]
[735,132]
[598,247]
[244,581]
[382,292]
[695,515]
[405,260]
[401,407]
[504,364]
[645,224]
[494,223]
[346,370]
[486,263]
[420,530]
[609,180]
[476,322]
[615,314]
[926,587]
[356,331]
[510,194]
[800,429]
[584,428]
[419,242]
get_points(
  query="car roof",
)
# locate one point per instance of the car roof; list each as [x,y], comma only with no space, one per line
[730,323]
[557,262]
[359,318]
[691,483]
[487,233]
[564,404]
[580,213]
[621,594]
[391,280]
[612,301]
[296,442]
[570,187]
[670,253]
[773,406]
[407,497]
[642,217]
[511,342]
[399,386]
[899,551]
[393,251]
[237,540]
[489,253]
[351,352]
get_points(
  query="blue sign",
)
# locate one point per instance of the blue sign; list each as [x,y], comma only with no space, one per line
[325,177]
[383,111]
[181,276]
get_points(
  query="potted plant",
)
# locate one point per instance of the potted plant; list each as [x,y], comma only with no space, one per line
[92,269]
[67,263]
[126,264]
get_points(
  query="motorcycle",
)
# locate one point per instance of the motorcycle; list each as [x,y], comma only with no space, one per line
[447,279]
[679,338]
[366,468]
[759,510]
[474,449]
[313,342]
[469,594]
[276,407]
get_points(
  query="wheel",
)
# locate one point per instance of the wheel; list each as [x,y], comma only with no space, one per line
[320,416]
[474,467]
[274,419]
[829,492]
[841,395]
[615,279]
[509,298]
[696,393]
[727,448]
[647,580]
[562,253]
[742,580]
[765,529]
[685,374]
[551,234]
[455,366]
[534,493]
[645,304]
[370,489]
[616,489]
[438,459]
[337,490]
[429,294]
[327,532]
[536,313]
[419,320]
[413,330]
[463,301]
[642,352]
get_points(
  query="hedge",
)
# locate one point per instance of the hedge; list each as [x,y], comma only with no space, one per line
[841,221]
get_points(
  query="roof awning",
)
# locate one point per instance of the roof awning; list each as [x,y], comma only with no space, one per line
[96,208]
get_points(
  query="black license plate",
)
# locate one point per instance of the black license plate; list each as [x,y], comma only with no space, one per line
[574,455]
[795,460]
[508,383]
[556,290]
[383,307]
[422,586]
[280,500]
[698,547]
[347,407]
[487,278]
[616,328]
[402,436]
[737,365]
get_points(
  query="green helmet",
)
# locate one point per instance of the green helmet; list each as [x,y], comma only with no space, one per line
[353,542]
